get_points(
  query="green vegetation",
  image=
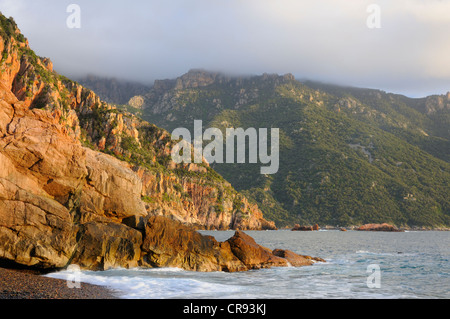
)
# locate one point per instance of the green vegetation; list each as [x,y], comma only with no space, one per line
[8,29]
[347,156]
[129,109]
[148,199]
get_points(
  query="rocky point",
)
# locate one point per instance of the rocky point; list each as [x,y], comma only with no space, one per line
[83,183]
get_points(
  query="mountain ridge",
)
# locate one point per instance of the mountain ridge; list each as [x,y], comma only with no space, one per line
[401,144]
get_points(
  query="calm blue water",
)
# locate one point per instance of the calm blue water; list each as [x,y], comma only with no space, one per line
[411,264]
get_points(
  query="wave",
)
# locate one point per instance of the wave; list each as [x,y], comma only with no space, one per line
[399,253]
[156,283]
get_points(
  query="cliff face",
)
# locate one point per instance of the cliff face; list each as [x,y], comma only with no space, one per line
[80,180]
[193,194]
[62,203]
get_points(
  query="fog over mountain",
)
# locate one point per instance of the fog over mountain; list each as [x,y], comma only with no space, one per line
[322,40]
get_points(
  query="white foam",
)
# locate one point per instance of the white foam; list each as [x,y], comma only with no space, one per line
[149,283]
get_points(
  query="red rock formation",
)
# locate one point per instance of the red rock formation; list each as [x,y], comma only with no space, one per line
[170,244]
[379,227]
[167,243]
[252,255]
[296,260]
[62,203]
[190,198]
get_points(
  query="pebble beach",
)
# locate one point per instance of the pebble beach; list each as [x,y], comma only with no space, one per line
[28,284]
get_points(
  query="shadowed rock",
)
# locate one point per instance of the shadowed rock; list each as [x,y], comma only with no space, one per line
[168,243]
[252,255]
[104,246]
[298,227]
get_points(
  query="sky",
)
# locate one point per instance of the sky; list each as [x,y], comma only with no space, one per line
[405,50]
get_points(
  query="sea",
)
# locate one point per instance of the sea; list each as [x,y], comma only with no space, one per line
[359,265]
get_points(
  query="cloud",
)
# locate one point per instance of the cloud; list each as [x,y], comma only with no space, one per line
[325,40]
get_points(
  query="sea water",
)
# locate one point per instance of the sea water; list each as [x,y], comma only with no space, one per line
[408,265]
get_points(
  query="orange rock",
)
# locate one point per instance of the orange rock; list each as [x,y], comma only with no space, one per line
[170,244]
[379,227]
[293,259]
[252,255]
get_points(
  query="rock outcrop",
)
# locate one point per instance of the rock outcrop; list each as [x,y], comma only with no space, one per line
[298,227]
[103,246]
[378,227]
[296,260]
[51,186]
[64,203]
[193,194]
[169,244]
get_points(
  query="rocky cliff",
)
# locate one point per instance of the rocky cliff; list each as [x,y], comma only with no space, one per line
[62,203]
[81,182]
[193,194]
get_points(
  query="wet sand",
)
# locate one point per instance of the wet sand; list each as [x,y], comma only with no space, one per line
[28,284]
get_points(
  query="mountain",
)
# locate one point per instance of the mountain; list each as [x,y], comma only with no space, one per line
[348,156]
[112,90]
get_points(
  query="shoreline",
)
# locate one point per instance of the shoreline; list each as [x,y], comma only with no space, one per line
[326,229]
[30,284]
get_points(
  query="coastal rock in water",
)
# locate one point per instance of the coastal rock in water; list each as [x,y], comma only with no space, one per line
[168,243]
[252,255]
[296,260]
[297,227]
[379,227]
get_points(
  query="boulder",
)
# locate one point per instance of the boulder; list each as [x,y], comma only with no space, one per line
[296,260]
[168,243]
[297,227]
[112,190]
[252,255]
[34,230]
[102,246]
